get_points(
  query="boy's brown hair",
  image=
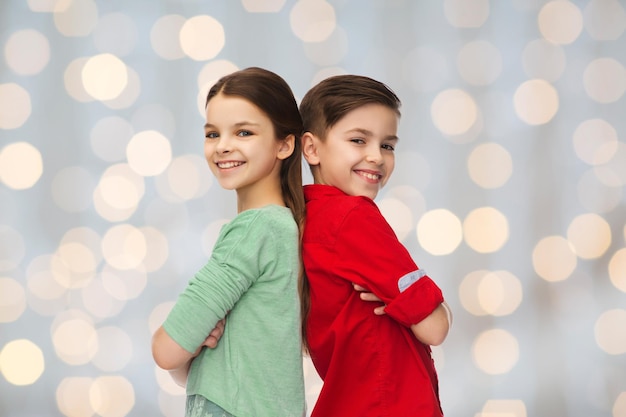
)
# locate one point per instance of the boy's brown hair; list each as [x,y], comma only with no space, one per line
[330,100]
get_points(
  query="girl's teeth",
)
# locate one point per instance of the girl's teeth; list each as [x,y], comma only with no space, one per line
[228,164]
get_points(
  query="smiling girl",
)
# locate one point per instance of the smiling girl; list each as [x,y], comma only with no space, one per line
[252,146]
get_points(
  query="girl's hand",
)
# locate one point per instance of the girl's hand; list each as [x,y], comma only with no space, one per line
[370,296]
[215,335]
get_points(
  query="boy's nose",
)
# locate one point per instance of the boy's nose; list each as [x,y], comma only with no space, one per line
[374,155]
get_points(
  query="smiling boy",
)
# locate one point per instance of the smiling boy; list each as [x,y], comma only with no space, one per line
[371,364]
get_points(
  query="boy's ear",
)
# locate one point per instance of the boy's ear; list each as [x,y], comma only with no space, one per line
[286,147]
[309,148]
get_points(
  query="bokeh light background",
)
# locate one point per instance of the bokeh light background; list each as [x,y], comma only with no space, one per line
[509,187]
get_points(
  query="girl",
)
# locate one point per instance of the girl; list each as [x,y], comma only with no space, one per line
[252,146]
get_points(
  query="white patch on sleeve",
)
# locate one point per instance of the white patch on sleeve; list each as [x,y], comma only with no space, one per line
[409,279]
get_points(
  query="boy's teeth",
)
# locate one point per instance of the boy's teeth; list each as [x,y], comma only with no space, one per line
[370,176]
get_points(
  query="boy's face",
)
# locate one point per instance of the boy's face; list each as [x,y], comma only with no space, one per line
[357,155]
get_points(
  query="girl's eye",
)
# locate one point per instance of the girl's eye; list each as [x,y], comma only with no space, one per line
[388,147]
[211,135]
[244,133]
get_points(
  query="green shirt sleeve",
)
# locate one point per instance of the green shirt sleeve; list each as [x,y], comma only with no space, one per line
[232,268]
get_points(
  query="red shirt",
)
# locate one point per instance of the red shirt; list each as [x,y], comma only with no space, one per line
[371,365]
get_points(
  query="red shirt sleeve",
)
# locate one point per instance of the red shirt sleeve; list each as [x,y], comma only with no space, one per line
[368,253]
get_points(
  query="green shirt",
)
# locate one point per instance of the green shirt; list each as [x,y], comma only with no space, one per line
[256,369]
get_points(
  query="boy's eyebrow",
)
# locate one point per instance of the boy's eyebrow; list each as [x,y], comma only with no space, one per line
[369,133]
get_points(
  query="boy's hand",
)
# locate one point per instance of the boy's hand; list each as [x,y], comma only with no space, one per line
[370,296]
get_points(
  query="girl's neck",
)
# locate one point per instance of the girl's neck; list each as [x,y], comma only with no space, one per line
[256,198]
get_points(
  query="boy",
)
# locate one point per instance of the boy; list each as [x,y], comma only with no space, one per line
[372,364]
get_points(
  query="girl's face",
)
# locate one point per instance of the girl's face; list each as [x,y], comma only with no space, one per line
[357,155]
[241,147]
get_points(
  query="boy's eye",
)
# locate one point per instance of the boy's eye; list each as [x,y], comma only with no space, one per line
[211,135]
[388,147]
[357,140]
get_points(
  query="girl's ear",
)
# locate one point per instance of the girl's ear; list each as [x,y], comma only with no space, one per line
[309,148]
[287,146]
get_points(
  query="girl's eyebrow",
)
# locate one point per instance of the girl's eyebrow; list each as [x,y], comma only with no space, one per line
[238,124]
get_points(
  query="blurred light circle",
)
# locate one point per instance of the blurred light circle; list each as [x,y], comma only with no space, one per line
[15,106]
[12,300]
[590,234]
[12,248]
[157,248]
[454,111]
[617,269]
[595,141]
[166,382]
[466,13]
[164,37]
[605,20]
[495,351]
[75,341]
[124,246]
[398,215]
[72,80]
[544,59]
[202,37]
[554,258]
[79,264]
[129,94]
[72,397]
[47,6]
[115,349]
[265,6]
[490,165]
[560,22]
[496,293]
[619,407]
[439,232]
[158,315]
[21,165]
[609,331]
[187,177]
[104,76]
[125,284]
[118,192]
[116,33]
[149,153]
[112,396]
[479,62]
[27,52]
[98,302]
[312,20]
[536,102]
[21,362]
[485,230]
[76,18]
[71,189]
[41,281]
[605,80]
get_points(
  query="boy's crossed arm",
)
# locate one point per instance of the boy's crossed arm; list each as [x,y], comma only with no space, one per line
[432,330]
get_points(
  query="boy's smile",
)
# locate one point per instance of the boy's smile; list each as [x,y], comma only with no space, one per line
[357,155]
